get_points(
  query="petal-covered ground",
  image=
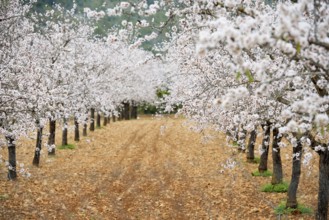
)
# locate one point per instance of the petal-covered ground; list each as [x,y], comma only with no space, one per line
[151,168]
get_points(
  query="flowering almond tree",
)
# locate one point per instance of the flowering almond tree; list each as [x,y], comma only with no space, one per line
[283,54]
[15,111]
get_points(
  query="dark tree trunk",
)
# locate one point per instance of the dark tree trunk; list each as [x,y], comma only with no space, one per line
[51,138]
[126,111]
[113,118]
[105,120]
[64,134]
[108,119]
[134,112]
[38,146]
[98,122]
[323,194]
[276,157]
[12,175]
[296,170]
[92,119]
[265,146]
[76,130]
[251,146]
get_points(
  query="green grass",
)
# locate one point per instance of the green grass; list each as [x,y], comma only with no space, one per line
[69,146]
[279,188]
[4,196]
[267,173]
[255,160]
[301,209]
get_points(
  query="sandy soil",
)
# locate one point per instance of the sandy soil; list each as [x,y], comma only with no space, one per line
[145,169]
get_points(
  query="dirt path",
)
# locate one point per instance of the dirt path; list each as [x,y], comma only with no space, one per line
[143,169]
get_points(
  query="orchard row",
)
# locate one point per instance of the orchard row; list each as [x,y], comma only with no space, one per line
[230,64]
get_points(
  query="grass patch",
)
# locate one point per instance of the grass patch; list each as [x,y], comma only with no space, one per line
[301,209]
[255,160]
[267,173]
[279,188]
[64,147]
[4,196]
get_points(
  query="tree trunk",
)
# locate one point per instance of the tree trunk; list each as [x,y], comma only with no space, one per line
[98,122]
[84,130]
[36,159]
[92,118]
[12,175]
[134,112]
[126,111]
[105,120]
[113,118]
[265,146]
[296,170]
[276,157]
[76,130]
[323,194]
[51,138]
[64,136]
[251,146]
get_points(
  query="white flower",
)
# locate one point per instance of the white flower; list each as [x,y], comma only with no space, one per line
[124,5]
[321,120]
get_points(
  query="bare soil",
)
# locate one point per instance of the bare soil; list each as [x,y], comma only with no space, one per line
[151,168]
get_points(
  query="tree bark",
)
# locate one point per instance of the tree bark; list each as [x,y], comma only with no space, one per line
[51,138]
[113,118]
[76,130]
[12,175]
[251,146]
[277,175]
[64,133]
[84,130]
[92,118]
[323,193]
[98,122]
[36,159]
[134,112]
[265,146]
[105,120]
[296,170]
[126,111]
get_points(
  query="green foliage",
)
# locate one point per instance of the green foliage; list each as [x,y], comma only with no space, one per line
[279,188]
[238,75]
[147,109]
[267,173]
[301,209]
[249,76]
[162,92]
[298,48]
[64,147]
